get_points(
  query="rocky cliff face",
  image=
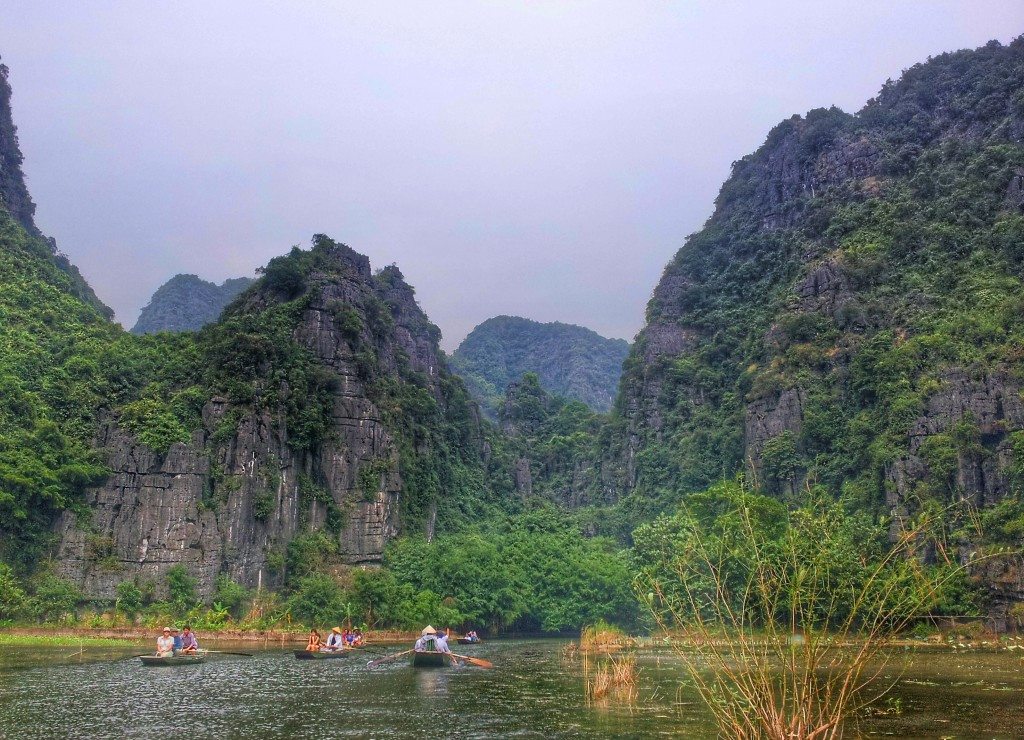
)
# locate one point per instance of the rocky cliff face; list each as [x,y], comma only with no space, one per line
[848,316]
[231,499]
[14,195]
[570,361]
[187,303]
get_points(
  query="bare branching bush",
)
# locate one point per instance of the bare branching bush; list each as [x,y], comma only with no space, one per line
[789,614]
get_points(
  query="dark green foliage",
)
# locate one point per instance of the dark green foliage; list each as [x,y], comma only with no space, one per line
[704,558]
[318,599]
[535,572]
[13,600]
[230,595]
[129,598]
[181,588]
[53,597]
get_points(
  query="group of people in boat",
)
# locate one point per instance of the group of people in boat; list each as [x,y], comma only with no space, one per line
[176,642]
[338,639]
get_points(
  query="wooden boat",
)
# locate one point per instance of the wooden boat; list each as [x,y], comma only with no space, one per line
[429,659]
[318,655]
[468,641]
[173,660]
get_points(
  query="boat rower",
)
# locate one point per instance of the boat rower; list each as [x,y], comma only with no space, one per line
[189,644]
[428,641]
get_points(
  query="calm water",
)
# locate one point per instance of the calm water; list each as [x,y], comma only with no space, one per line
[532,692]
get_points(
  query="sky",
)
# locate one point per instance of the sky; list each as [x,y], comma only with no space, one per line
[539,159]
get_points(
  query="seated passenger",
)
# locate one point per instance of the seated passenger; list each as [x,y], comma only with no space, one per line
[176,635]
[314,641]
[165,644]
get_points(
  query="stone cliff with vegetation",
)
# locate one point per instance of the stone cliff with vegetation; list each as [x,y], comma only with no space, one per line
[851,316]
[187,303]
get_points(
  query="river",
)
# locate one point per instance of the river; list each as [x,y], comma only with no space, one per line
[533,691]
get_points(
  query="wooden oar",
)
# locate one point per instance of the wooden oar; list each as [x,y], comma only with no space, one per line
[475,661]
[386,658]
[225,652]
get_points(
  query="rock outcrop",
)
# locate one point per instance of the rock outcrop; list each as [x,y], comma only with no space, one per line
[187,303]
[232,499]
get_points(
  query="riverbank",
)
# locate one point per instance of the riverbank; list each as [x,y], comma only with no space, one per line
[59,634]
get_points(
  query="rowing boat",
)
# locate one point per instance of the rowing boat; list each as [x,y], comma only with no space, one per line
[429,659]
[172,660]
[320,655]
[469,641]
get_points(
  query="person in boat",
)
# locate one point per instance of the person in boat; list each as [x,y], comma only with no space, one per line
[442,644]
[176,636]
[428,641]
[314,641]
[189,644]
[165,644]
[357,638]
[335,641]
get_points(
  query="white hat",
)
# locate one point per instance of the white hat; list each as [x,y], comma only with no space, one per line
[428,630]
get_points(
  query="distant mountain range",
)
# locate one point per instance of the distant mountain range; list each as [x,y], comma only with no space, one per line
[570,361]
[187,303]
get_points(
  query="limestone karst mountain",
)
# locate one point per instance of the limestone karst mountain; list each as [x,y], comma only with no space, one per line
[569,361]
[187,303]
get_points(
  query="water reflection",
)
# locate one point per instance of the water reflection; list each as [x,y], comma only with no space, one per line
[432,683]
[532,692]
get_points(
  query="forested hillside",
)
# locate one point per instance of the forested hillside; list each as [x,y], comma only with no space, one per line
[187,303]
[851,315]
[570,361]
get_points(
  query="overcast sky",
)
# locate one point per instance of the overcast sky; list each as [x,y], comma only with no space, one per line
[541,159]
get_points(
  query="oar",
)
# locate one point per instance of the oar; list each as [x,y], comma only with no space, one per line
[386,658]
[225,652]
[475,661]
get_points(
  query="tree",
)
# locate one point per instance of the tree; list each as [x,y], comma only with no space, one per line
[12,596]
[181,588]
[129,598]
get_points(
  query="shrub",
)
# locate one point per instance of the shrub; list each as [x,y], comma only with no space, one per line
[181,588]
[129,598]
